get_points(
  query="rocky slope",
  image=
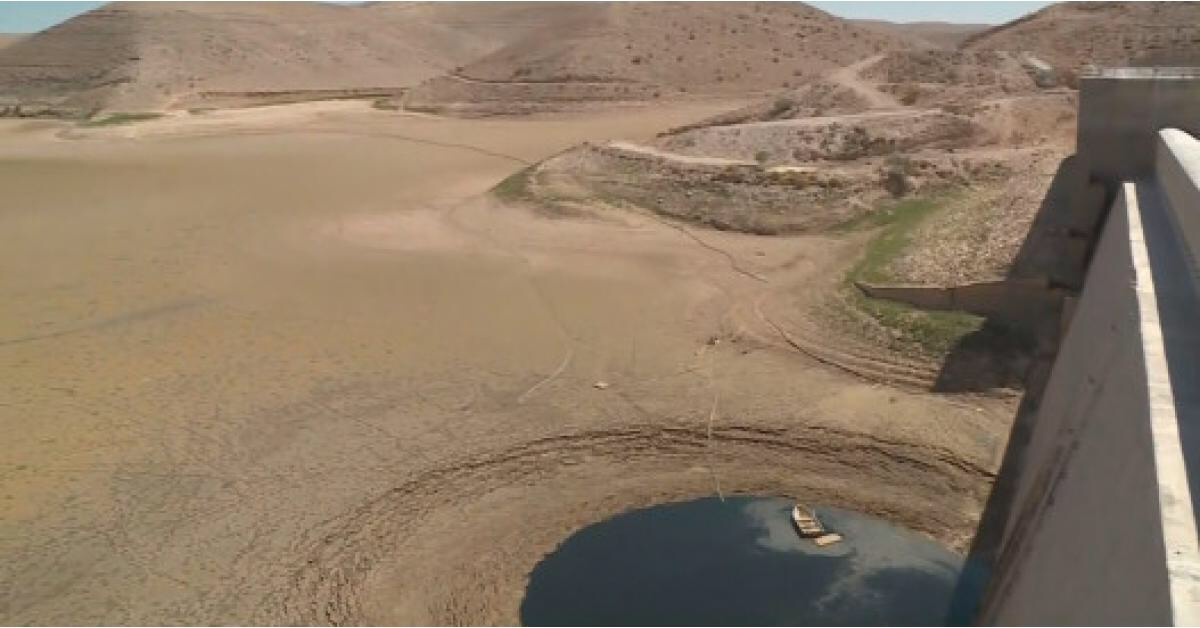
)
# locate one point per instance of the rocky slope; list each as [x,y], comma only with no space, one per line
[640,51]
[1071,34]
[8,39]
[944,35]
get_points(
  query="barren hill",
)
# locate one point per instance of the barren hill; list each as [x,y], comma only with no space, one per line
[8,39]
[948,77]
[133,56]
[934,34]
[634,51]
[1072,34]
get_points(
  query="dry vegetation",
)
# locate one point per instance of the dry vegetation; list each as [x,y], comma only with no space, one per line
[943,35]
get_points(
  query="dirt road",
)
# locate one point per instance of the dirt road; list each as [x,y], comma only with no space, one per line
[850,77]
[294,368]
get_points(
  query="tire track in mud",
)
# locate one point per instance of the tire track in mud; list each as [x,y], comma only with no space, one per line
[729,257]
[334,558]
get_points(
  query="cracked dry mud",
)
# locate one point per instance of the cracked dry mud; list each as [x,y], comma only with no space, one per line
[270,366]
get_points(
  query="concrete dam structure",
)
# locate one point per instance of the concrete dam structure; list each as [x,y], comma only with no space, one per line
[1096,505]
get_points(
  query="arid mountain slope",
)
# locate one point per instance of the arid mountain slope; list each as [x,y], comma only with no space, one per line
[1072,34]
[134,56]
[933,34]
[634,51]
[8,39]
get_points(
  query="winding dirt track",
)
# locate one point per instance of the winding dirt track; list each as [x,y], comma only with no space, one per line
[850,76]
[294,366]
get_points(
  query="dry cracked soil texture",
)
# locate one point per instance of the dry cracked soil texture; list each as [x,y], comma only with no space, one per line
[295,365]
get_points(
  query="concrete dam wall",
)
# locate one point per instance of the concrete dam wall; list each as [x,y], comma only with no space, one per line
[1100,524]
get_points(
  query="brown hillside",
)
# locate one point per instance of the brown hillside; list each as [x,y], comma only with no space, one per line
[950,77]
[629,51]
[8,39]
[1072,34]
[933,34]
[135,56]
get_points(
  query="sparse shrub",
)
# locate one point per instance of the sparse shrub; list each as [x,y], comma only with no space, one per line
[121,118]
[762,157]
[896,171]
[1069,77]
[900,163]
[781,106]
[908,94]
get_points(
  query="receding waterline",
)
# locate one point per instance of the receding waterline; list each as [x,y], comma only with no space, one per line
[739,561]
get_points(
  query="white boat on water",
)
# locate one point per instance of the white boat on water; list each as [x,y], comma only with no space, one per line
[810,527]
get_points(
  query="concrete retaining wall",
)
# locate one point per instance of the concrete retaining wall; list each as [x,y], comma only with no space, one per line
[1024,301]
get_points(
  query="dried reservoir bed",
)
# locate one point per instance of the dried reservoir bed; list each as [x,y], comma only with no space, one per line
[292,365]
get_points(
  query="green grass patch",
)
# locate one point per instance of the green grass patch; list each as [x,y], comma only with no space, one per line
[515,187]
[113,119]
[897,224]
[386,104]
[914,330]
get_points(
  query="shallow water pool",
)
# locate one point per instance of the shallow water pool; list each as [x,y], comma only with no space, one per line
[739,561]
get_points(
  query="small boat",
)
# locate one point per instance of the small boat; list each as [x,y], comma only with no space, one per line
[810,527]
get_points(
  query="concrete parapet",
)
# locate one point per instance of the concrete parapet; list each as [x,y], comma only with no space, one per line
[1177,170]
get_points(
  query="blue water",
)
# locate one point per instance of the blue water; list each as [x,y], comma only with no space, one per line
[740,562]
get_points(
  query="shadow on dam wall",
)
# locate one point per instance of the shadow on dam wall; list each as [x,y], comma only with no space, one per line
[1016,347]
[1092,514]
[1057,250]
[1031,344]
